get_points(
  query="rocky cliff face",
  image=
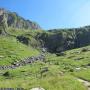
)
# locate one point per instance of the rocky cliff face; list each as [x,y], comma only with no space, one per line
[3,22]
[59,40]
[12,19]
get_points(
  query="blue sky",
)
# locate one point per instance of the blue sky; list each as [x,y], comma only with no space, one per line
[52,13]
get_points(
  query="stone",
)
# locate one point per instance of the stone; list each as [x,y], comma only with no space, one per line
[79,58]
[78,69]
[37,88]
[24,61]
[1,56]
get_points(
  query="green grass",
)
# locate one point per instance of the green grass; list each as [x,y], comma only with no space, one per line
[28,77]
[83,74]
[49,83]
[61,74]
[17,32]
[12,50]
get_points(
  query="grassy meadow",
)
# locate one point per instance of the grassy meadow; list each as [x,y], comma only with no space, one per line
[62,69]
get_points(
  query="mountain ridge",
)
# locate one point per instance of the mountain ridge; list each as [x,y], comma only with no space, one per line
[15,21]
[55,40]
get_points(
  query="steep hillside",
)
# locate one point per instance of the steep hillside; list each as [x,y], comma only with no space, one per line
[12,19]
[12,50]
[56,73]
[61,74]
[54,41]
[32,58]
[63,39]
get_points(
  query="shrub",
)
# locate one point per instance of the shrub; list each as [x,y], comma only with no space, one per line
[71,70]
[6,74]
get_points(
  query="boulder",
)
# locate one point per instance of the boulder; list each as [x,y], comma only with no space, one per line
[84,50]
[37,88]
[1,56]
[77,69]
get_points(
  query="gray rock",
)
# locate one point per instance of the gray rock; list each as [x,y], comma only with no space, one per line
[37,88]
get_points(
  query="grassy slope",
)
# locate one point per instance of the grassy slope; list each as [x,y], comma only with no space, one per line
[29,76]
[12,50]
[71,61]
[50,83]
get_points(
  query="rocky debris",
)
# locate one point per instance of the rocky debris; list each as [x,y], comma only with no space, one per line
[44,50]
[38,88]
[25,61]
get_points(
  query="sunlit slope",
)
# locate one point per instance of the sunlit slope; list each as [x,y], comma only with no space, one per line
[12,50]
[62,67]
[61,75]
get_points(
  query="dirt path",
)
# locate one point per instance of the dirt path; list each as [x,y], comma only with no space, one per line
[86,83]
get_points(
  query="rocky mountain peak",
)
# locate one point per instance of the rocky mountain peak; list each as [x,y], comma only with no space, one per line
[15,21]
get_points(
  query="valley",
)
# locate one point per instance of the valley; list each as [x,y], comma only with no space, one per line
[54,59]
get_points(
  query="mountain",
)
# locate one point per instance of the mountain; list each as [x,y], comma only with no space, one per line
[55,41]
[12,19]
[31,58]
[59,40]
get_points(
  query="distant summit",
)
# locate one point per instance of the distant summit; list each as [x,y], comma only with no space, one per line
[12,19]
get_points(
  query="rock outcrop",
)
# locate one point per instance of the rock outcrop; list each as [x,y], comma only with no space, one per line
[24,61]
[59,40]
[13,20]
[3,24]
